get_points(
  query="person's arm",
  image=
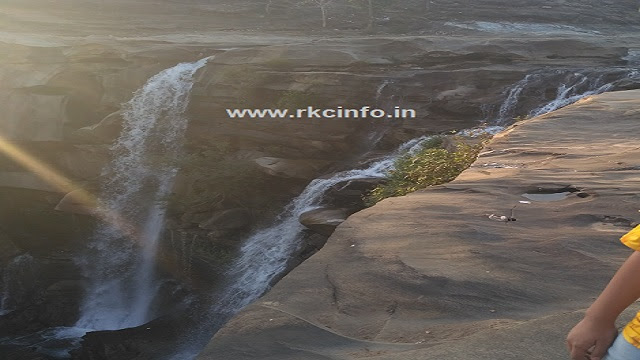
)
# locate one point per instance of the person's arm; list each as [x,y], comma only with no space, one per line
[593,335]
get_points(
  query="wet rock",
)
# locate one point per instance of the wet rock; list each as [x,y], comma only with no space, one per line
[83,162]
[8,249]
[289,168]
[153,340]
[15,352]
[45,292]
[77,202]
[104,132]
[231,219]
[349,194]
[324,221]
[24,180]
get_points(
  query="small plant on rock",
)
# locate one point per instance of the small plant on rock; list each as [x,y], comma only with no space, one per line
[430,166]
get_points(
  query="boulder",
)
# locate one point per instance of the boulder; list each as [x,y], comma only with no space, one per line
[324,221]
[288,168]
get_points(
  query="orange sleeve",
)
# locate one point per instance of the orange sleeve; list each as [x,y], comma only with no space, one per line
[632,238]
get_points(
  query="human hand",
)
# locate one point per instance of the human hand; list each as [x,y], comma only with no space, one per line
[590,339]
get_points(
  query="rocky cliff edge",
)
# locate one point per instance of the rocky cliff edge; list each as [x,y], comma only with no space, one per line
[433,275]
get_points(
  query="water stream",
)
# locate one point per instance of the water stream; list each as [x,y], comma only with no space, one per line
[571,87]
[266,253]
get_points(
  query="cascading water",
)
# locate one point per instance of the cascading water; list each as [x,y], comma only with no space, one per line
[570,93]
[572,86]
[511,101]
[120,260]
[266,253]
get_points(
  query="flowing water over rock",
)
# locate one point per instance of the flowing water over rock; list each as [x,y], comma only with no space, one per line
[523,28]
[121,257]
[265,254]
[572,86]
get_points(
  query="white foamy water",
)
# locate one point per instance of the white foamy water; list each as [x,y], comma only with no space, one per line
[522,28]
[573,87]
[120,260]
[569,93]
[513,96]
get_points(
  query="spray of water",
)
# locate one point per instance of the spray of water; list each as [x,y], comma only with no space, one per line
[137,182]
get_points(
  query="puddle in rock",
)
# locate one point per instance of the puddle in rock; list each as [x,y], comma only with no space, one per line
[555,194]
[547,197]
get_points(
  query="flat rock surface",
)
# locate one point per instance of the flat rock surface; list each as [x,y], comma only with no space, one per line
[432,276]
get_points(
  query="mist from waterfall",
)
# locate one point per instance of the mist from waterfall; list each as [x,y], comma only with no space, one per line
[120,259]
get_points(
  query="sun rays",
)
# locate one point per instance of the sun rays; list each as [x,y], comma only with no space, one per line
[77,195]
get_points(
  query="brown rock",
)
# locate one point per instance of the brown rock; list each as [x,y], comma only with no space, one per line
[104,132]
[227,220]
[83,161]
[288,168]
[77,202]
[324,221]
[25,180]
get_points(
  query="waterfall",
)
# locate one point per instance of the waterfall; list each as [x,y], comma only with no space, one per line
[570,93]
[18,281]
[266,253]
[511,101]
[120,260]
[572,86]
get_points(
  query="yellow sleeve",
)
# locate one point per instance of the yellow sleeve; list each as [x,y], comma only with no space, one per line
[631,332]
[632,238]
